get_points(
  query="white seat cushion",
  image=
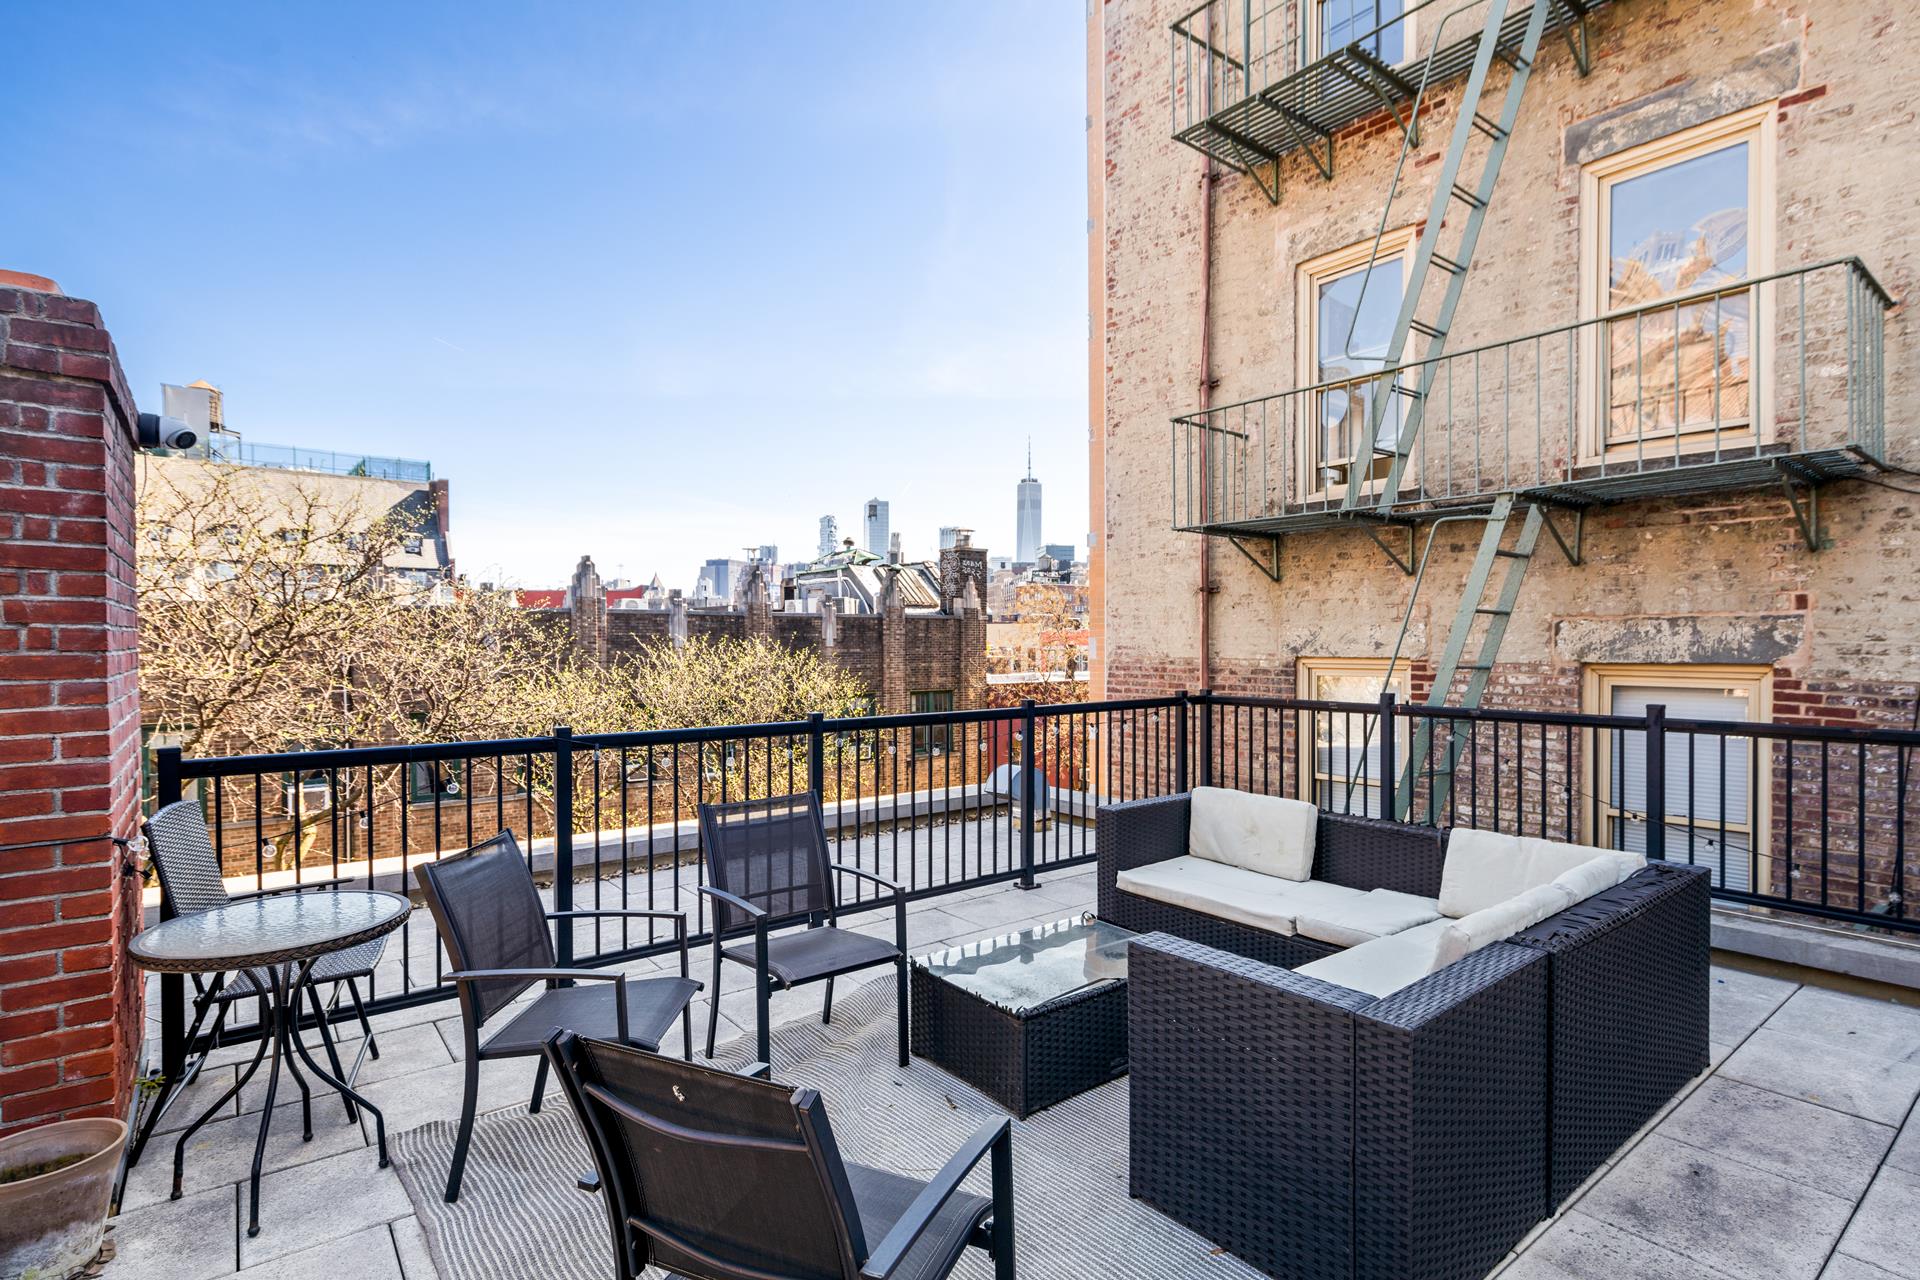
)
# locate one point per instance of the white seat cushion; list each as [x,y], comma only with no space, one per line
[1484,868]
[1233,893]
[1501,921]
[1384,965]
[1269,834]
[1350,922]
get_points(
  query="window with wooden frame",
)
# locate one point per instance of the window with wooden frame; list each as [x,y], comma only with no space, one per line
[930,739]
[1346,306]
[1688,217]
[1715,815]
[1348,774]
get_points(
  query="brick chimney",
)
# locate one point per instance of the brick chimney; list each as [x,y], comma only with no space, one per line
[70,1002]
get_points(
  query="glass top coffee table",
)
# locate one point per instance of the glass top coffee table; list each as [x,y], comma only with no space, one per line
[1029,1018]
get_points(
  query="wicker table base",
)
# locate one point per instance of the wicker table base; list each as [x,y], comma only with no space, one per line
[1024,1060]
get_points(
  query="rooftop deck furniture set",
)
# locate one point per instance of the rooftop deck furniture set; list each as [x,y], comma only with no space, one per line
[1367,1049]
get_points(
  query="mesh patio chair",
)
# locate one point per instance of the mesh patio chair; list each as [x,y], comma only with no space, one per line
[190,882]
[710,1175]
[495,930]
[767,866]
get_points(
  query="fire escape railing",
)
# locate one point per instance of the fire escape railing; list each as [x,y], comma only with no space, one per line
[1780,376]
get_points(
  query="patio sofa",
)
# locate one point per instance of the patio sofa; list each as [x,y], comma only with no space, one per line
[1369,1049]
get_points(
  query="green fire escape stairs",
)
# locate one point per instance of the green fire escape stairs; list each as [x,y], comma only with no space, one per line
[1489,619]
[1451,188]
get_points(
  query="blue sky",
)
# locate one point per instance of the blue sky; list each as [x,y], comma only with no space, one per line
[651,282]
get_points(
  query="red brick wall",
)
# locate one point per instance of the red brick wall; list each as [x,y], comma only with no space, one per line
[70,1015]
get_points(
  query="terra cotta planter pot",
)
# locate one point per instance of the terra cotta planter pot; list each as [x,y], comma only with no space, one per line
[51,1224]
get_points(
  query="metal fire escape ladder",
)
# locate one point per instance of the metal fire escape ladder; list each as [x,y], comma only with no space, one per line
[1473,608]
[1448,190]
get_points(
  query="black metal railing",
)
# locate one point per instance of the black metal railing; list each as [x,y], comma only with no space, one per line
[937,802]
[1807,818]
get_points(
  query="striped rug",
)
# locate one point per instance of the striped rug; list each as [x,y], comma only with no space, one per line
[520,1215]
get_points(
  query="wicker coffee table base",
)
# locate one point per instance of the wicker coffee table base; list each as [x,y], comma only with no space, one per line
[1024,1062]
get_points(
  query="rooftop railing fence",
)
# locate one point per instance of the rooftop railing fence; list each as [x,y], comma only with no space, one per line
[1780,376]
[1807,818]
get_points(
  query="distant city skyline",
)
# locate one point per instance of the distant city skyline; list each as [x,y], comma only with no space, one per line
[652,377]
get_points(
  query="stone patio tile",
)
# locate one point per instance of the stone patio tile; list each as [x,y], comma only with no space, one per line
[410,1242]
[1844,1268]
[1718,1213]
[1882,1230]
[1821,1147]
[364,1255]
[208,1085]
[327,1200]
[222,1153]
[434,1094]
[187,1239]
[414,1047]
[925,928]
[1003,907]
[1827,1073]
[1876,1028]
[1579,1247]
[1906,1148]
[1740,1002]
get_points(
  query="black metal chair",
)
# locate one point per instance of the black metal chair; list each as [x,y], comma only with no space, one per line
[710,1175]
[494,928]
[767,866]
[182,851]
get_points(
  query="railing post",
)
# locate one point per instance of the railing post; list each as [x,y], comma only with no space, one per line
[1206,738]
[1657,781]
[563,842]
[173,987]
[1389,764]
[1029,770]
[1180,744]
[816,758]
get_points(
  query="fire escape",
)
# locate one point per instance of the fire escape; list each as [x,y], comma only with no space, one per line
[1534,431]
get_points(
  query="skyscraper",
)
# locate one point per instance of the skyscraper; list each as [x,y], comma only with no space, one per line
[877,527]
[1026,541]
[829,535]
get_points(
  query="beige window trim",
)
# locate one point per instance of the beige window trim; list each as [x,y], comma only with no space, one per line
[1755,126]
[1312,782]
[1598,685]
[1310,277]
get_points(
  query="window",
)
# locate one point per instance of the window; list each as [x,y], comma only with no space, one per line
[931,739]
[1348,303]
[428,779]
[1683,216]
[307,792]
[1347,773]
[1345,22]
[414,544]
[1712,815]
[151,741]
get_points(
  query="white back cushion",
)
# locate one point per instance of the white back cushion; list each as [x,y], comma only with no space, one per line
[1500,921]
[1269,834]
[1484,868]
[1589,878]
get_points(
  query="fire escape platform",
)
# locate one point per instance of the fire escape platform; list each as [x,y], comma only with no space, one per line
[1692,475]
[1305,108]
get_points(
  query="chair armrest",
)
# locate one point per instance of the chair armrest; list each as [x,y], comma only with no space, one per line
[738,904]
[289,888]
[618,979]
[1134,834]
[892,1249]
[679,919]
[890,886]
[756,1071]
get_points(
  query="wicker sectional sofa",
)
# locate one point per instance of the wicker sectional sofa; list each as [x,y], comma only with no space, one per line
[1319,1130]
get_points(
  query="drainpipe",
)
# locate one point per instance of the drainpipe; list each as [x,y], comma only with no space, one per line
[1207,179]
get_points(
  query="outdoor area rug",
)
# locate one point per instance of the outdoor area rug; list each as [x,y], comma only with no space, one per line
[520,1214]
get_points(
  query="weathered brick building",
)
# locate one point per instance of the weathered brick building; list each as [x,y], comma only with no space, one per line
[912,658]
[1643,351]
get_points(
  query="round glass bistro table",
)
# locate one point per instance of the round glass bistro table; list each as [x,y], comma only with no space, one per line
[274,941]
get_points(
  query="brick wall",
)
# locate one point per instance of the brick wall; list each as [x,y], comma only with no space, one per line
[70,1015]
